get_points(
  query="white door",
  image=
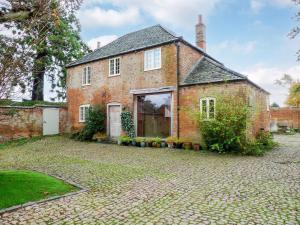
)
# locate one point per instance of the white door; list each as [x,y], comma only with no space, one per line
[114,121]
[50,121]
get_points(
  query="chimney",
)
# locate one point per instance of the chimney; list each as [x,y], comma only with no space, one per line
[98,44]
[201,34]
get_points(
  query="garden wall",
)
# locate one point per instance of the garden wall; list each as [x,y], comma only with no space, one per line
[286,117]
[19,121]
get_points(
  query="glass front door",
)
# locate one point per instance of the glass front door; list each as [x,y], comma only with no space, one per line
[154,115]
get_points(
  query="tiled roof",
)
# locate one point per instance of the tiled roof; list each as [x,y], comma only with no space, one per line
[207,71]
[148,37]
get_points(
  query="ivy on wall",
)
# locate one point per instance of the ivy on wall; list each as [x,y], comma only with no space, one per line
[127,123]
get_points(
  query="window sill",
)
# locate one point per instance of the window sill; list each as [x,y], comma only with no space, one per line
[84,85]
[116,75]
[152,69]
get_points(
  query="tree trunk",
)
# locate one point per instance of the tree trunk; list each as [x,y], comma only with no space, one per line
[38,77]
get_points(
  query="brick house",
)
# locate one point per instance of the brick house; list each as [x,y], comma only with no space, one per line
[155,74]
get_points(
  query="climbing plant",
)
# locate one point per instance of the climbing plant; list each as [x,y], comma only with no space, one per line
[127,123]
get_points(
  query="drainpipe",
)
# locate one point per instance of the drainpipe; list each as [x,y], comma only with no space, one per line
[177,84]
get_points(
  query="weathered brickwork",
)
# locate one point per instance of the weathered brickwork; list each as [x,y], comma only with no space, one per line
[287,116]
[105,89]
[190,104]
[17,122]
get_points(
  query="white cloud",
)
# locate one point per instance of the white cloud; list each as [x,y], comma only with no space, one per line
[103,39]
[257,5]
[99,17]
[171,12]
[234,47]
[266,77]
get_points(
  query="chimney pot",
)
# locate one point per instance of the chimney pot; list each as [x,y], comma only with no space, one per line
[201,34]
[98,44]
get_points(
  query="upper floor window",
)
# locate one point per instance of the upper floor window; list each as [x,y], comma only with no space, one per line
[86,76]
[152,59]
[83,113]
[208,108]
[114,67]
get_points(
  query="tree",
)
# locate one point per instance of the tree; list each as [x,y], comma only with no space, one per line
[275,105]
[49,31]
[296,30]
[294,90]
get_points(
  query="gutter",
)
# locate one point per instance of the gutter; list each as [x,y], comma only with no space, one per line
[177,84]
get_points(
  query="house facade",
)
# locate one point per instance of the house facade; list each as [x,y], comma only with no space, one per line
[156,74]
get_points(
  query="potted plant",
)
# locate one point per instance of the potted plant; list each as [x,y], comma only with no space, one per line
[171,141]
[187,143]
[196,146]
[150,142]
[179,143]
[163,144]
[143,142]
[133,142]
[138,141]
[156,142]
[125,140]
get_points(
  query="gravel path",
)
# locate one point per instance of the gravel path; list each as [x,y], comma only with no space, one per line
[161,186]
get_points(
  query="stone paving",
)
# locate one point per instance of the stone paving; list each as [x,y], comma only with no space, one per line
[161,186]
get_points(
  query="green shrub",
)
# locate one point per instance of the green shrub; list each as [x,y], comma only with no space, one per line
[127,123]
[227,132]
[95,122]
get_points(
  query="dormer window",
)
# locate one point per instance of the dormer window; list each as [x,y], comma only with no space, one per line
[152,59]
[114,67]
[86,76]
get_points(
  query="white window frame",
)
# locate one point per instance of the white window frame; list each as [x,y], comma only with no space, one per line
[268,103]
[208,99]
[151,53]
[86,76]
[82,117]
[115,68]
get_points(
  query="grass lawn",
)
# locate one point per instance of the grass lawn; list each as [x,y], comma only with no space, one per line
[18,187]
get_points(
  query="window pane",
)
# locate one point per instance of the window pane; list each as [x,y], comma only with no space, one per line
[112,67]
[204,108]
[89,76]
[154,115]
[84,76]
[81,114]
[86,112]
[211,109]
[117,65]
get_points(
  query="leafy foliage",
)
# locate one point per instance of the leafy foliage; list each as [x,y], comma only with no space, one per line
[127,123]
[45,38]
[95,122]
[228,131]
[294,89]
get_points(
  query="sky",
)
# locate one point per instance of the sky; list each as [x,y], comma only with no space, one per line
[249,36]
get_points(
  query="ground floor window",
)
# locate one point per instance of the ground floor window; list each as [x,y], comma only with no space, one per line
[83,112]
[154,115]
[208,108]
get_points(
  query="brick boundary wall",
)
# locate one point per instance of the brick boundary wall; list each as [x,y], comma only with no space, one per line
[19,121]
[286,116]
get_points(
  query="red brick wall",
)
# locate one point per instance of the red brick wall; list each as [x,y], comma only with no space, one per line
[190,103]
[287,116]
[105,89]
[26,122]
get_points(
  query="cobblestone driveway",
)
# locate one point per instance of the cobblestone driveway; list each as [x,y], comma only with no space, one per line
[161,186]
